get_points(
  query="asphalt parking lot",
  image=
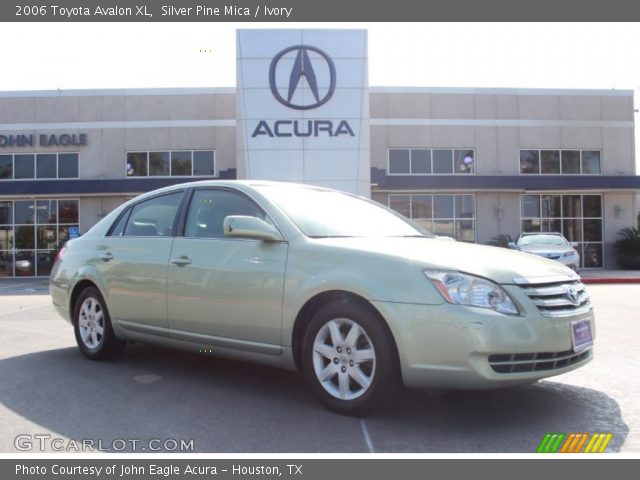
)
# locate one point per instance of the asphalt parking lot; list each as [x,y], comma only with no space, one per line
[154,398]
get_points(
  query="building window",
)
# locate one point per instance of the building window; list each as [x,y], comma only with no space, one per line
[23,166]
[443,161]
[159,165]
[31,232]
[560,162]
[203,163]
[181,164]
[427,161]
[40,166]
[577,217]
[178,163]
[68,165]
[6,167]
[441,214]
[46,165]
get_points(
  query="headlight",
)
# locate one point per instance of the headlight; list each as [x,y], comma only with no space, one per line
[463,289]
[570,254]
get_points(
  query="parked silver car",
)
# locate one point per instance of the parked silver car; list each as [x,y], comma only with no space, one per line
[551,245]
[349,292]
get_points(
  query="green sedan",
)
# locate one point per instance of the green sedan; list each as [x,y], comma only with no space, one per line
[355,296]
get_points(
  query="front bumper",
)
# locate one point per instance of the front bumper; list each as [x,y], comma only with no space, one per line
[449,346]
[573,261]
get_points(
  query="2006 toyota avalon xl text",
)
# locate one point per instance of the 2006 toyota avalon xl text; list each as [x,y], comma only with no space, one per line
[354,295]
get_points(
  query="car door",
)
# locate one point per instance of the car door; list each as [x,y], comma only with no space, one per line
[225,291]
[132,263]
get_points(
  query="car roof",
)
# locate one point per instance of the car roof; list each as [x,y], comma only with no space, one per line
[241,184]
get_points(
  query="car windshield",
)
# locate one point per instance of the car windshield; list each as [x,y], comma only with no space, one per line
[323,213]
[542,240]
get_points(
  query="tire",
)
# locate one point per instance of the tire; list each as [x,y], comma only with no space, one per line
[351,374]
[92,327]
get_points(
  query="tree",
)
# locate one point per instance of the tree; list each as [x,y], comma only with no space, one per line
[627,248]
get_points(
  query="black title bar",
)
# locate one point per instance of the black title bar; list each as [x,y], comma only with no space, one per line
[316,10]
[315,469]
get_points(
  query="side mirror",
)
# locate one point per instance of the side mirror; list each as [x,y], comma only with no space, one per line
[241,226]
[511,245]
[574,244]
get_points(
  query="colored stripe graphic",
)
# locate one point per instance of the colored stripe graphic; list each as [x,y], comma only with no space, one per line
[574,442]
[550,443]
[570,443]
[598,443]
[581,443]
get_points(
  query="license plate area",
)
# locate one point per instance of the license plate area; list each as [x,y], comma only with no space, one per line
[581,336]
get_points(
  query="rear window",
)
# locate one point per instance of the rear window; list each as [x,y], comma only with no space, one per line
[149,218]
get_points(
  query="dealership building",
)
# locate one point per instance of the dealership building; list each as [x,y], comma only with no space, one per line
[471,163]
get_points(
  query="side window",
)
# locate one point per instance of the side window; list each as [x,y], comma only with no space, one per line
[118,229]
[209,208]
[153,217]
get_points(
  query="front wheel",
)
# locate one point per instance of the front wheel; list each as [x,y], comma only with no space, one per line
[92,326]
[348,359]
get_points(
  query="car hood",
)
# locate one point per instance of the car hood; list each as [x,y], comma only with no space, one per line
[540,249]
[498,264]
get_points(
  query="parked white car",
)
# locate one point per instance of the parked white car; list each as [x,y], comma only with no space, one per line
[551,245]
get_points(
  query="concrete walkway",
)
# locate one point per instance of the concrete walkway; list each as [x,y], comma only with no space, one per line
[24,286]
[610,276]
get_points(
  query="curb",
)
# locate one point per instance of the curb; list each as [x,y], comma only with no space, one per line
[609,280]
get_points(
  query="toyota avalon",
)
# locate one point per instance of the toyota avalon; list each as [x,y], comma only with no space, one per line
[353,295]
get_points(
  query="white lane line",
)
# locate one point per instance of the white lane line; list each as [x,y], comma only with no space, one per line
[367,438]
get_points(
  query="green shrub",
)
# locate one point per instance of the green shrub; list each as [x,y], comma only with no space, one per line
[627,248]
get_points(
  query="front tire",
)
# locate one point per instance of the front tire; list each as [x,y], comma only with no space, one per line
[92,326]
[348,359]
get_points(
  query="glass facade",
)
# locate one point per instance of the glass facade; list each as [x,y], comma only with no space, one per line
[177,163]
[426,161]
[40,166]
[577,217]
[442,214]
[31,232]
[560,162]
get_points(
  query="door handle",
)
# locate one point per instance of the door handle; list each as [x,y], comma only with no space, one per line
[181,261]
[105,257]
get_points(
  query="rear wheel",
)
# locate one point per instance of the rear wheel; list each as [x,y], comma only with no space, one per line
[348,359]
[93,329]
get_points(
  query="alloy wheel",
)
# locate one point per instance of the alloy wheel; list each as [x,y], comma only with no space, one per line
[91,323]
[344,359]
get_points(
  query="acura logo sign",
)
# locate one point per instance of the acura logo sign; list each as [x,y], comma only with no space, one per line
[314,70]
[308,78]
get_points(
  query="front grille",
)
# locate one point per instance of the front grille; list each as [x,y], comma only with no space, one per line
[556,297]
[535,362]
